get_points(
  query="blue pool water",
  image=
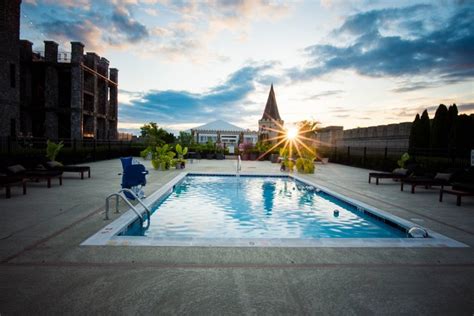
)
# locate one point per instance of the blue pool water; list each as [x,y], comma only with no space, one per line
[258,207]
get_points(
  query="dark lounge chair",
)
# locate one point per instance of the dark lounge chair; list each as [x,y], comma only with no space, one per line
[8,181]
[53,165]
[396,174]
[440,179]
[456,190]
[35,174]
[462,186]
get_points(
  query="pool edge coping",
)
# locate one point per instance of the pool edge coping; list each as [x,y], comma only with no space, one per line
[107,236]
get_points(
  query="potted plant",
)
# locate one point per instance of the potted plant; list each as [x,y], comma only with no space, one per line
[209,149]
[181,162]
[254,153]
[246,150]
[147,153]
[220,151]
[305,163]
[263,150]
[162,157]
[403,160]
[274,157]
[284,160]
[52,149]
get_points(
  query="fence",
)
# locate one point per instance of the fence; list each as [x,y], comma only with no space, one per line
[74,151]
[386,158]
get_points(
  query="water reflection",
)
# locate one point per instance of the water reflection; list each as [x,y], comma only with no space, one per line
[268,193]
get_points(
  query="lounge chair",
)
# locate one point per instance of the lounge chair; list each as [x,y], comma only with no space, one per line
[459,190]
[8,181]
[54,165]
[440,179]
[396,174]
[463,185]
[35,174]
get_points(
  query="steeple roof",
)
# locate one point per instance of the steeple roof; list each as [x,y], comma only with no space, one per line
[271,109]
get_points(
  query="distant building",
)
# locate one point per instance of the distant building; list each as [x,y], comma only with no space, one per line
[223,132]
[328,136]
[9,67]
[381,136]
[53,94]
[391,135]
[270,125]
[74,96]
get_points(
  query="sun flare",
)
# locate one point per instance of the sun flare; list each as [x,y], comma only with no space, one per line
[292,133]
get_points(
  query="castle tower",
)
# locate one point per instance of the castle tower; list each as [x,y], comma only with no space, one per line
[9,67]
[271,123]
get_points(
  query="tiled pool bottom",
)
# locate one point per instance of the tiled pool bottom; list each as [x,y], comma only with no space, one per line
[263,211]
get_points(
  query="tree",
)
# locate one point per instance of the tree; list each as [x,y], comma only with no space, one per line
[307,130]
[185,139]
[424,130]
[439,137]
[155,136]
[414,133]
[464,130]
[452,120]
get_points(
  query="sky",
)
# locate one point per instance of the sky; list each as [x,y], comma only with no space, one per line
[351,63]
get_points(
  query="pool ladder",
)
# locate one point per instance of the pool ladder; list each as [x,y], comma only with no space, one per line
[239,165]
[121,194]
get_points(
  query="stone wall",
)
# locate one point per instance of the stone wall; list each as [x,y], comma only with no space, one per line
[328,136]
[381,136]
[62,99]
[9,67]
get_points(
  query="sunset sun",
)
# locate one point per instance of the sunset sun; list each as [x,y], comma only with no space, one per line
[292,133]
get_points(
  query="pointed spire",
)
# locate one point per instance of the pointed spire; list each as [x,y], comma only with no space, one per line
[271,109]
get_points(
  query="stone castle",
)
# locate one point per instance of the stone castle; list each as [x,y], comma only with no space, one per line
[53,94]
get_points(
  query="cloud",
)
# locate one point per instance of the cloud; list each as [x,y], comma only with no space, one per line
[227,101]
[64,31]
[179,30]
[387,43]
[324,94]
[132,30]
[466,107]
[98,25]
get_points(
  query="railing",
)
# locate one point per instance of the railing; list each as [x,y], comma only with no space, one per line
[120,194]
[387,157]
[74,151]
[239,165]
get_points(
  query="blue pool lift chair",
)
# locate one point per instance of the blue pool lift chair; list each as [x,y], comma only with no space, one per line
[126,161]
[133,179]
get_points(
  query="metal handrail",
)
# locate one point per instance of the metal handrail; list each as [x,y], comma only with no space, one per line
[239,165]
[122,195]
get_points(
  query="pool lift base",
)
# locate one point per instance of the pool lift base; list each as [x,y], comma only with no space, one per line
[121,194]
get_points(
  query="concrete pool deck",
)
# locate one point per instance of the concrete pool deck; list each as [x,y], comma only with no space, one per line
[44,270]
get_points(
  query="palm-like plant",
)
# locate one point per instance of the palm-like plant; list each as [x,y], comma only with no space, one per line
[181,153]
[162,157]
[52,149]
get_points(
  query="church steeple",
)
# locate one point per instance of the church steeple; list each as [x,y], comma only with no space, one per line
[271,108]
[270,125]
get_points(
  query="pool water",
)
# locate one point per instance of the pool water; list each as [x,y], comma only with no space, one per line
[258,207]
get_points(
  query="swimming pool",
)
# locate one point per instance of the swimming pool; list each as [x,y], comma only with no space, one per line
[259,210]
